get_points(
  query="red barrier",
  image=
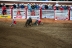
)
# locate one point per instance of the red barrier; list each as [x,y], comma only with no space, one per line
[62,14]
[58,14]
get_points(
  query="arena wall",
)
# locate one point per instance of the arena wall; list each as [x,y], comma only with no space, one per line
[44,19]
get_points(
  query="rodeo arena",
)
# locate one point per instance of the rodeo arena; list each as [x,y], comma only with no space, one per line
[35,24]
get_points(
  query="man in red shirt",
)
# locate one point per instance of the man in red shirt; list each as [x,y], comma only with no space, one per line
[61,8]
[4,10]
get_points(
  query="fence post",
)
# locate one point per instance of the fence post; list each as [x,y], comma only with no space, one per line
[54,12]
[69,13]
[26,12]
[40,12]
[11,12]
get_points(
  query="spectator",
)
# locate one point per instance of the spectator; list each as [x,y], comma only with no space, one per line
[3,4]
[54,7]
[61,8]
[4,10]
[18,5]
[0,6]
[64,7]
[67,7]
[29,7]
[49,6]
[14,5]
[71,7]
[43,6]
[33,6]
[7,6]
[22,6]
[57,6]
[46,6]
[38,6]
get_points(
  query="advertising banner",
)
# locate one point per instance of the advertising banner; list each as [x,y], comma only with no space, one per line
[19,13]
[33,14]
[61,15]
[6,15]
[48,14]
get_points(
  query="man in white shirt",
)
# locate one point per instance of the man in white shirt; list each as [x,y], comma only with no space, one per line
[13,21]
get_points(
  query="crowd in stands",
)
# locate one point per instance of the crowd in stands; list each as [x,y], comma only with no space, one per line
[44,6]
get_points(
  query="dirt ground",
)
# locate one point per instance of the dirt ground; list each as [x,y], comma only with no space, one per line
[52,34]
